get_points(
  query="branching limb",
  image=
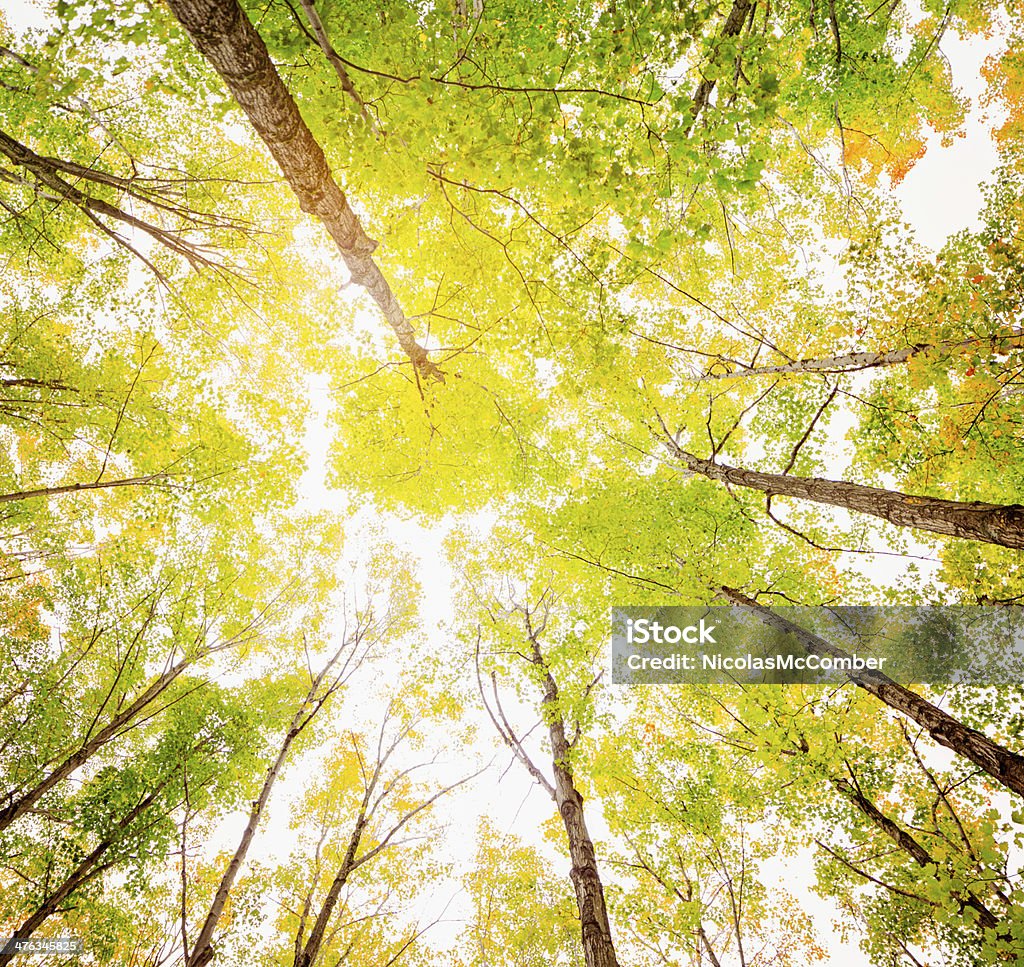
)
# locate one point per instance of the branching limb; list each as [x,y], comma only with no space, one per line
[336,62]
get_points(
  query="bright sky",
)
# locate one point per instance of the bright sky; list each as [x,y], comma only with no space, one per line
[940,196]
[942,193]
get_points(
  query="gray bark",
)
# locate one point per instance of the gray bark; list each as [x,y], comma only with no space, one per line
[1006,767]
[320,690]
[856,361]
[971,520]
[202,949]
[598,949]
[307,954]
[223,34]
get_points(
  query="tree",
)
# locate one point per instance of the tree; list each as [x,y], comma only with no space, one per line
[521,907]
[917,872]
[122,819]
[995,523]
[138,633]
[334,673]
[385,812]
[595,927]
[1003,765]
[223,34]
[688,815]
[573,205]
[853,362]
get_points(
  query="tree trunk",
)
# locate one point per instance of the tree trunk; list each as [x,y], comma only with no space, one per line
[87,869]
[223,34]
[976,521]
[906,842]
[309,953]
[202,950]
[731,27]
[598,949]
[18,807]
[1006,767]
[856,361]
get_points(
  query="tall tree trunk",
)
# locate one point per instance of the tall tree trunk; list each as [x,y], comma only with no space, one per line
[223,34]
[202,952]
[906,842]
[89,868]
[731,27]
[976,521]
[122,720]
[1006,767]
[856,361]
[308,954]
[598,949]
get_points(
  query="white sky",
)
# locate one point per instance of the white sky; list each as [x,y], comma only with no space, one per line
[941,195]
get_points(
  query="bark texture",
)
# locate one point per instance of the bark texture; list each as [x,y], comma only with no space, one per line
[972,520]
[598,949]
[906,842]
[223,34]
[1006,767]
[306,955]
[731,27]
[202,950]
[320,690]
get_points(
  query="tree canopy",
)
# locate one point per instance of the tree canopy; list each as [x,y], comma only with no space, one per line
[358,360]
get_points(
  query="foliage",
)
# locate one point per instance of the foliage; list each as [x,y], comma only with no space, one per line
[623,231]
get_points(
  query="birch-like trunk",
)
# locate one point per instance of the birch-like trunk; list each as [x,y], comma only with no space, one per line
[856,361]
[202,949]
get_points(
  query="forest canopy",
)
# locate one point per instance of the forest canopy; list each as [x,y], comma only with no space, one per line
[357,361]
